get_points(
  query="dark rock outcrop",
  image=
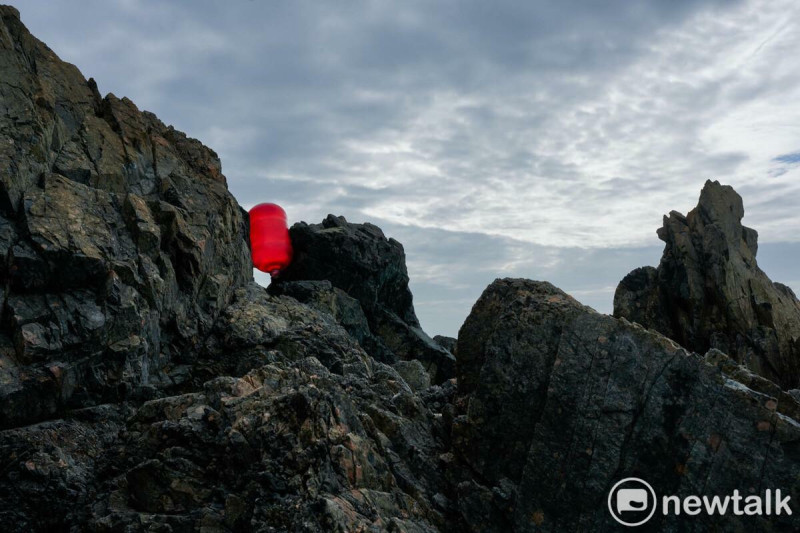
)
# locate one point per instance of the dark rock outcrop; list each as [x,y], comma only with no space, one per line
[147,384]
[577,400]
[448,343]
[708,291]
[359,260]
[121,243]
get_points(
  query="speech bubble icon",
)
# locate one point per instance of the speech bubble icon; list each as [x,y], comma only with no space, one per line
[631,500]
[632,503]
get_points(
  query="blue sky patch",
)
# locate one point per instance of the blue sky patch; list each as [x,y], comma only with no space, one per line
[791,159]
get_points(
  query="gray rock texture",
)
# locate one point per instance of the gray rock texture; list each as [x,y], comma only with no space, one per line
[148,384]
[359,260]
[708,291]
[121,243]
[448,343]
[557,402]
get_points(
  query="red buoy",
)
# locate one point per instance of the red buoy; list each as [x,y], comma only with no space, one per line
[269,238]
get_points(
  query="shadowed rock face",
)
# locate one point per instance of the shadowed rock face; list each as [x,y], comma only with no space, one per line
[557,403]
[146,383]
[708,291]
[121,243]
[360,261]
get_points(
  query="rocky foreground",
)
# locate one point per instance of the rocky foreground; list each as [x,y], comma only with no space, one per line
[148,384]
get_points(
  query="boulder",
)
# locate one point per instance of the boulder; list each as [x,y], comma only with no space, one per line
[359,260]
[414,374]
[577,401]
[448,343]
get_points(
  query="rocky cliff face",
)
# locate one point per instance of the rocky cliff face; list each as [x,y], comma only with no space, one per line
[708,291]
[147,384]
[121,242]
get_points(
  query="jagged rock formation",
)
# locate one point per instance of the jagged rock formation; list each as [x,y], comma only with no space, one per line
[576,400]
[708,291]
[121,241]
[147,384]
[359,260]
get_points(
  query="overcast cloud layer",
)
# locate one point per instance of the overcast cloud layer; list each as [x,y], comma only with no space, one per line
[534,139]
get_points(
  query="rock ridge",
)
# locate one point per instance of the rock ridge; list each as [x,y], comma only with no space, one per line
[148,384]
[708,291]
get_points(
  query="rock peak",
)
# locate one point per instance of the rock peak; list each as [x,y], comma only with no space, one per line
[720,203]
[9,11]
[719,206]
[708,291]
[359,260]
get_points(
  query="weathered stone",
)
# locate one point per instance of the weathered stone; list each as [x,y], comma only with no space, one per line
[323,296]
[359,260]
[121,243]
[448,343]
[584,400]
[257,328]
[127,278]
[708,291]
[414,374]
[148,384]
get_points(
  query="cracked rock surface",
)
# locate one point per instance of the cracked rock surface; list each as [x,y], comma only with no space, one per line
[148,384]
[120,239]
[576,401]
[359,260]
[708,291]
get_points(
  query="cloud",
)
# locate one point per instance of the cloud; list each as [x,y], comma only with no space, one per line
[551,133]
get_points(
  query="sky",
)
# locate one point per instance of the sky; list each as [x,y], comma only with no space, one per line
[532,139]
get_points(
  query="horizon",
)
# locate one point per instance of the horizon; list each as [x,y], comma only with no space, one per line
[491,142]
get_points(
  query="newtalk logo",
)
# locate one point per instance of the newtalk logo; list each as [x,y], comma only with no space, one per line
[632,502]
